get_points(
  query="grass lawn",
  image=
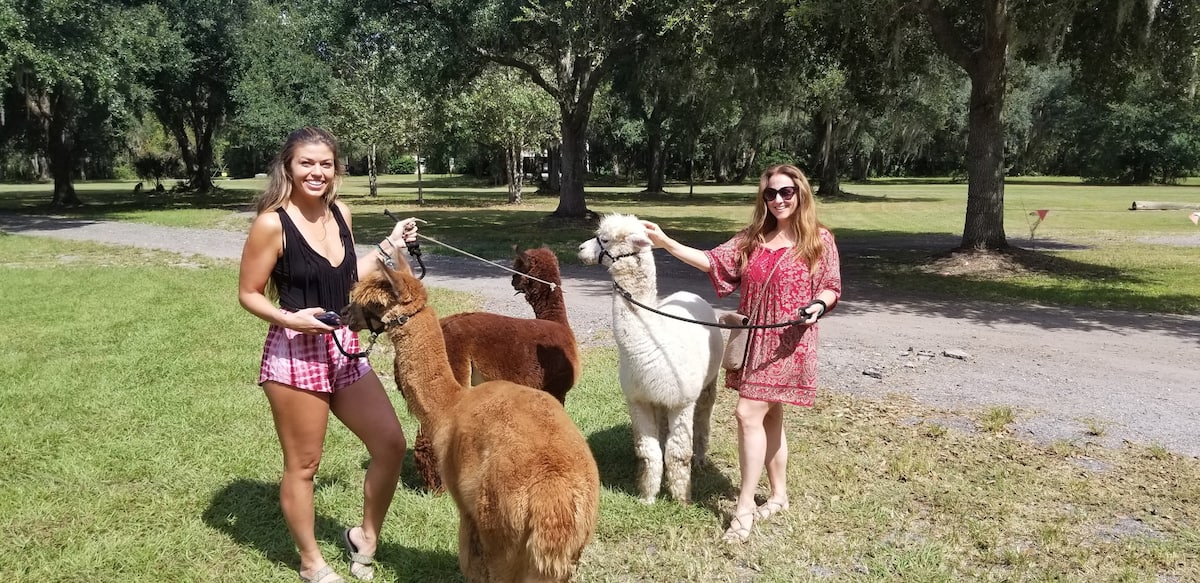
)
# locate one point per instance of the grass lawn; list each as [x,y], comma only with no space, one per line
[136,447]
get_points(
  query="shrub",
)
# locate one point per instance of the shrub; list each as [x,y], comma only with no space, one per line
[402,165]
[156,167]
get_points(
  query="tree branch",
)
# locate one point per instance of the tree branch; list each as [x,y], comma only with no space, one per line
[945,35]
[534,74]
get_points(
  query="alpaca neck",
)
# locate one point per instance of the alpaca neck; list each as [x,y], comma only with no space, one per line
[551,307]
[422,369]
[638,277]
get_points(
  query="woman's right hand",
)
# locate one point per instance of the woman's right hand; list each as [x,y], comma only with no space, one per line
[656,234]
[305,321]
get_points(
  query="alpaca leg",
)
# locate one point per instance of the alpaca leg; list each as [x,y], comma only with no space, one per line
[427,463]
[679,452]
[470,552]
[648,449]
[702,423]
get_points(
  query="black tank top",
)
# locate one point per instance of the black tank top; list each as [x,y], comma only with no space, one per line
[304,278]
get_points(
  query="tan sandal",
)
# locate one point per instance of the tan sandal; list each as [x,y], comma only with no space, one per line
[361,566]
[321,574]
[769,509]
[739,528]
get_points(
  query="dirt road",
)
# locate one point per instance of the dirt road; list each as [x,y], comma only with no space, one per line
[1069,373]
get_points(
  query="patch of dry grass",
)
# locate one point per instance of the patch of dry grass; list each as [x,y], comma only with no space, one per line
[879,497]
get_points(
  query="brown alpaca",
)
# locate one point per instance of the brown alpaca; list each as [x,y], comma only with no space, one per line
[521,474]
[539,353]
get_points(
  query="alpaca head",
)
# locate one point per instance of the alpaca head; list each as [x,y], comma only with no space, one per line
[617,237]
[540,263]
[382,298]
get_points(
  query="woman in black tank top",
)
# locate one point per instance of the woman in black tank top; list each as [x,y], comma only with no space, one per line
[300,247]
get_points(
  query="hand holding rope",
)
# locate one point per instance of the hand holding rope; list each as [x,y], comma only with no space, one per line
[414,248]
[629,297]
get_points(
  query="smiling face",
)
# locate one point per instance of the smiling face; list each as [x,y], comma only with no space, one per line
[313,169]
[783,210]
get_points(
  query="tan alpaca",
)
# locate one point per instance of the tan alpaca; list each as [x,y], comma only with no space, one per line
[538,352]
[525,483]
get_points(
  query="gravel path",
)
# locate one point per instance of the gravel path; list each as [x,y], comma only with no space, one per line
[1067,372]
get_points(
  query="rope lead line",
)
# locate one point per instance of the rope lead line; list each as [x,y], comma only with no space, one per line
[553,286]
[629,298]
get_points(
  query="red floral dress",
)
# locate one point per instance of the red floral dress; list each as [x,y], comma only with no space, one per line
[782,363]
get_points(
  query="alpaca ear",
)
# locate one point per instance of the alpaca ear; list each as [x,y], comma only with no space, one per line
[640,241]
[393,277]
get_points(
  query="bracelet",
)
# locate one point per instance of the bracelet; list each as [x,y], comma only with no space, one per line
[386,257]
[824,307]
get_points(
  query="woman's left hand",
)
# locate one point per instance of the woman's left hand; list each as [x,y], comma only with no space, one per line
[405,230]
[812,312]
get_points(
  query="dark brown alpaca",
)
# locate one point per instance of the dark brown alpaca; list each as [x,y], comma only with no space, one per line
[521,474]
[539,353]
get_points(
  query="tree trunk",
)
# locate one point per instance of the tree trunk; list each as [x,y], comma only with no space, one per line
[372,175]
[61,151]
[744,171]
[571,202]
[830,184]
[554,174]
[512,165]
[984,225]
[41,167]
[656,168]
[692,168]
[984,62]
[420,186]
[201,179]
[861,168]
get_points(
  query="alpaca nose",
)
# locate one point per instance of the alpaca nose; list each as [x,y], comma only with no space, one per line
[344,314]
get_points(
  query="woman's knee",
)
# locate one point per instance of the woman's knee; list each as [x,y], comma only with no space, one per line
[302,466]
[389,443]
[750,413]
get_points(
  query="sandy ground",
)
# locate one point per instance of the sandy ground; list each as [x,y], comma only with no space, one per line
[1066,372]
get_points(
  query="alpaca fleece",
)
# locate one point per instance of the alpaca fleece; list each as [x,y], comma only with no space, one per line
[539,353]
[668,367]
[521,474]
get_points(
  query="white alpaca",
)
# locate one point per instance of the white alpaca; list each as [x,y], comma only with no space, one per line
[668,367]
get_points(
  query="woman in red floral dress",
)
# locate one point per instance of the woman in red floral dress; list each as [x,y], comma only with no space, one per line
[786,265]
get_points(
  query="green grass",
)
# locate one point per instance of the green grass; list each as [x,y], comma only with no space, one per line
[1090,251]
[136,447]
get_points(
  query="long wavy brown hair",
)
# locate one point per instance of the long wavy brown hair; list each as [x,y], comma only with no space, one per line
[805,228]
[279,187]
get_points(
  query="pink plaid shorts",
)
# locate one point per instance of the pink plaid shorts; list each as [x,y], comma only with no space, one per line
[311,361]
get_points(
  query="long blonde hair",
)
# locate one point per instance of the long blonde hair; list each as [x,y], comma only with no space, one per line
[279,188]
[805,228]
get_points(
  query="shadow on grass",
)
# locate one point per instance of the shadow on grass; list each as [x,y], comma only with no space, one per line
[248,512]
[410,478]
[613,450]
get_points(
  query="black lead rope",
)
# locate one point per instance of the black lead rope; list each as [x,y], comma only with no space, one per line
[414,248]
[629,297]
[375,332]
[352,355]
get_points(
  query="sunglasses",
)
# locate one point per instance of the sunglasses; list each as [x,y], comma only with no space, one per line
[786,192]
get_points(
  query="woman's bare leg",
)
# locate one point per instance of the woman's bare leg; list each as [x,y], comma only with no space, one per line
[365,409]
[300,421]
